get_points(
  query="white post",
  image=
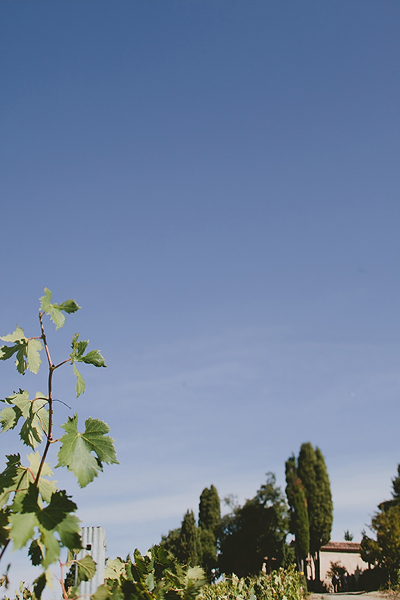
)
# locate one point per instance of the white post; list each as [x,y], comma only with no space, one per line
[94,543]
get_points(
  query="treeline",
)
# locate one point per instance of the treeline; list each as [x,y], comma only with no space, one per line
[383,553]
[255,533]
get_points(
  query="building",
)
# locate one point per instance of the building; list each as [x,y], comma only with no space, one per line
[345,553]
[93,543]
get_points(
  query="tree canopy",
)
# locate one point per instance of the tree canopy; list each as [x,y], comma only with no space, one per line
[384,551]
[209,522]
[255,532]
[310,500]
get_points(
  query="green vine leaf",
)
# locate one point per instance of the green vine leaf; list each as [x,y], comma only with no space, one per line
[4,526]
[56,310]
[93,357]
[26,349]
[70,532]
[16,479]
[35,553]
[49,545]
[33,411]
[86,568]
[54,518]
[40,583]
[80,382]
[114,569]
[22,528]
[76,449]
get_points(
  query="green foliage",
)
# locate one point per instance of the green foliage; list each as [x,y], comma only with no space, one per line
[170,542]
[209,509]
[279,585]
[32,510]
[209,522]
[322,517]
[76,449]
[27,351]
[307,485]
[348,537]
[336,568]
[155,576]
[33,412]
[384,551]
[189,541]
[301,523]
[254,532]
[55,310]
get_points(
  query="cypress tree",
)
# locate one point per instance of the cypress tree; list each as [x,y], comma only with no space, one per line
[209,521]
[322,510]
[306,472]
[189,551]
[209,509]
[309,495]
[291,475]
[301,524]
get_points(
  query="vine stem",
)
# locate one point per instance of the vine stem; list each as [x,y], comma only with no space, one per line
[49,434]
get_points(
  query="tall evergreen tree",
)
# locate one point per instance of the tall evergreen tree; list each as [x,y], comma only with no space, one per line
[209,522]
[299,524]
[189,549]
[209,509]
[308,486]
[322,510]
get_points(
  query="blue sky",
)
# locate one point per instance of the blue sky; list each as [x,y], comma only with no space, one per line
[216,183]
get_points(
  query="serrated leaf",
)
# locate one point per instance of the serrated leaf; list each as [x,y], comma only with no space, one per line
[38,586]
[70,532]
[60,506]
[50,546]
[55,310]
[46,487]
[33,411]
[8,418]
[35,553]
[114,568]
[52,309]
[95,358]
[7,352]
[22,528]
[101,593]
[86,568]
[69,306]
[80,382]
[16,336]
[16,478]
[76,449]
[20,348]
[30,501]
[4,533]
[27,350]
[33,355]
[54,517]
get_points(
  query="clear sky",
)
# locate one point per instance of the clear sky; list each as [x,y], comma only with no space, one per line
[217,184]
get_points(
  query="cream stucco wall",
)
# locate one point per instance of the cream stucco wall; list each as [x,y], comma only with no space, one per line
[350,560]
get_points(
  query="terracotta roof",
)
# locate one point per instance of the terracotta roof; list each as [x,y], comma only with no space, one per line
[341,547]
